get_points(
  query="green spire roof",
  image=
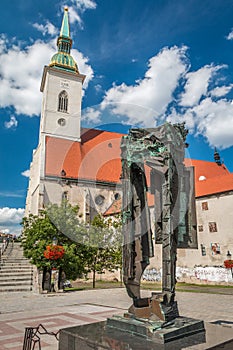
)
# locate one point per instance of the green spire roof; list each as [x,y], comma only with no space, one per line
[62,59]
[65,28]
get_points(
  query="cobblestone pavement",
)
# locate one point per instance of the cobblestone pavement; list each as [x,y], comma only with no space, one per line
[55,311]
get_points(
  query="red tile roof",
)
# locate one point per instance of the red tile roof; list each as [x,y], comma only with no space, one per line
[207,169]
[214,185]
[210,177]
[97,158]
[114,208]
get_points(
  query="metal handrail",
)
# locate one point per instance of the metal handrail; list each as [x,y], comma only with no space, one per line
[3,250]
[31,336]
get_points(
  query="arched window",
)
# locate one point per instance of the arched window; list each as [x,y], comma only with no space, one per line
[63,101]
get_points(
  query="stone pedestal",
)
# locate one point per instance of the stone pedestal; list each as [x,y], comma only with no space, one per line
[99,336]
[157,331]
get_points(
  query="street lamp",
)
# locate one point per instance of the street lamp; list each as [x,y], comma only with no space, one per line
[228,255]
[54,240]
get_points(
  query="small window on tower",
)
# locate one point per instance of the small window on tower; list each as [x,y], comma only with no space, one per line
[61,121]
[63,101]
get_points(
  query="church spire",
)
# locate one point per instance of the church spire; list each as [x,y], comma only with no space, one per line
[62,59]
[64,42]
[65,28]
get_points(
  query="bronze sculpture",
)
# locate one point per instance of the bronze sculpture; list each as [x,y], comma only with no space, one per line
[162,151]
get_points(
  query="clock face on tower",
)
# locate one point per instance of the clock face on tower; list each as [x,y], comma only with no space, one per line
[61,122]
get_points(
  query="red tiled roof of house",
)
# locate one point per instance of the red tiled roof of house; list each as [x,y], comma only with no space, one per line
[214,185]
[210,177]
[205,168]
[97,158]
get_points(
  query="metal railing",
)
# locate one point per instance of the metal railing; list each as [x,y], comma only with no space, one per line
[3,247]
[32,337]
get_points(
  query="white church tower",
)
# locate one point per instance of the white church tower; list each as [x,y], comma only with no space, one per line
[62,90]
[61,86]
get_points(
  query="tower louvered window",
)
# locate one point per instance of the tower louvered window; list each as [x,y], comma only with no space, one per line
[63,102]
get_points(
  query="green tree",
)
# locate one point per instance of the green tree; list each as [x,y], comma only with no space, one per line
[88,248]
[60,223]
[104,245]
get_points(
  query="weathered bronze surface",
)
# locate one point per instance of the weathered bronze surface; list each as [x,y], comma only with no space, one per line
[160,153]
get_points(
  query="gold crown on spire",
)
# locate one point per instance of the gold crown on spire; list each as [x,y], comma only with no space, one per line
[66,8]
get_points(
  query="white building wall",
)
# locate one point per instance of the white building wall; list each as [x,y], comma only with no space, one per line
[220,211]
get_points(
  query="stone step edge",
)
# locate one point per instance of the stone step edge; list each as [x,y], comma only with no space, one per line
[16,279]
[15,290]
[15,284]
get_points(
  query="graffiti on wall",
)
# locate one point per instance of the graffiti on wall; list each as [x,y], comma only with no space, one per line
[152,275]
[208,273]
[212,274]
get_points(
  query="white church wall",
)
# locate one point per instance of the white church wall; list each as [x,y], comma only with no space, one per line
[32,201]
[57,81]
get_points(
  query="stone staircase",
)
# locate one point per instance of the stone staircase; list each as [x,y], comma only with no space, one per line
[16,273]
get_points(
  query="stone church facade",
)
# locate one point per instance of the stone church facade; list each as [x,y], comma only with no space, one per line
[84,165]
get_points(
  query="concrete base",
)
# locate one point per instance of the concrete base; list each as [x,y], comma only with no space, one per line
[99,336]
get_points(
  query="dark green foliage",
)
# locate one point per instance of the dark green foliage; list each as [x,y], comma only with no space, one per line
[88,248]
[54,222]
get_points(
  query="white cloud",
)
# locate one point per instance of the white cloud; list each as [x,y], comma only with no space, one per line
[78,7]
[85,4]
[11,216]
[48,28]
[149,97]
[13,122]
[187,116]
[4,230]
[21,72]
[214,120]
[91,115]
[230,35]
[98,88]
[162,95]
[12,229]
[221,91]
[74,16]
[26,173]
[197,85]
[15,194]
[83,66]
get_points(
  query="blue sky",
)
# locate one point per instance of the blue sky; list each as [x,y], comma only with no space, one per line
[146,61]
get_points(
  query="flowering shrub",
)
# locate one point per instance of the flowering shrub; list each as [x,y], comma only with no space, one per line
[228,264]
[54,252]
